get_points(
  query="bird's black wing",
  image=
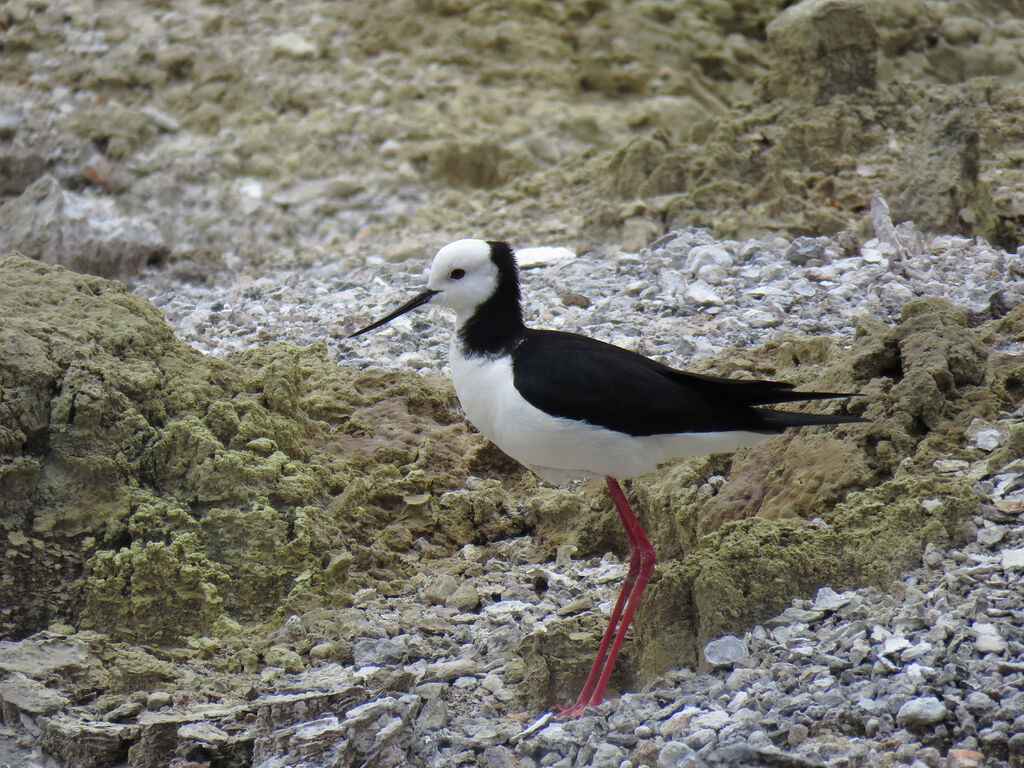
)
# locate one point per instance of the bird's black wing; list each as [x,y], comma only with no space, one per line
[580,378]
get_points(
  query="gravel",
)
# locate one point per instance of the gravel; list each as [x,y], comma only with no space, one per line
[652,301]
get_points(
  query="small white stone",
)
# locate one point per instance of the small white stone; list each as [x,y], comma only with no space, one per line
[701,737]
[987,638]
[989,439]
[759,319]
[673,754]
[895,644]
[989,536]
[918,673]
[450,670]
[203,731]
[1012,558]
[714,719]
[827,599]
[701,293]
[702,255]
[921,712]
[725,651]
[712,274]
[492,683]
[543,256]
[293,45]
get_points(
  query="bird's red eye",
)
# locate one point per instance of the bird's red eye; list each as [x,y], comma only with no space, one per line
[457,274]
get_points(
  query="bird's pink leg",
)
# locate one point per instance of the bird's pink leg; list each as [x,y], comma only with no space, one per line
[641,563]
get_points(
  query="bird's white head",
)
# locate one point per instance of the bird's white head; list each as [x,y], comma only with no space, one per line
[463,276]
[480,281]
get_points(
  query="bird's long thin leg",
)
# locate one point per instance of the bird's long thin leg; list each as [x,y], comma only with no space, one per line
[641,563]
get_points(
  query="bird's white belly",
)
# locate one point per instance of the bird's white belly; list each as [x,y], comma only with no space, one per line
[557,448]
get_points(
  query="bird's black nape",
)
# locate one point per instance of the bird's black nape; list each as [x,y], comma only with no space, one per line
[497,323]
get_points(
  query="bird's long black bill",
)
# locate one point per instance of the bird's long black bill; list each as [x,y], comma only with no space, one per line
[416,301]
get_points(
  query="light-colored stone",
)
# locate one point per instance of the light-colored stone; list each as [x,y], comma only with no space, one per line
[921,712]
[449,670]
[293,45]
[674,755]
[714,719]
[987,638]
[82,232]
[964,758]
[827,599]
[465,598]
[725,651]
[543,256]
[30,696]
[1012,559]
[203,731]
[822,48]
[438,589]
[701,293]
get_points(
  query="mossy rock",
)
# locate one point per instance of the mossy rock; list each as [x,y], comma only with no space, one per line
[151,491]
[749,570]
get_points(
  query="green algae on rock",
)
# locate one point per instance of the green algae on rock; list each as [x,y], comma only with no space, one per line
[822,48]
[556,662]
[793,166]
[749,570]
[549,94]
[152,492]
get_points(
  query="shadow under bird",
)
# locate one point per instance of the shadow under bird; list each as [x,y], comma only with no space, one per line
[567,406]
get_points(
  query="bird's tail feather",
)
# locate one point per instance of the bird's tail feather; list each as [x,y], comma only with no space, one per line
[782,419]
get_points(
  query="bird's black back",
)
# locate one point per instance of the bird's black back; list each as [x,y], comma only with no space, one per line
[580,378]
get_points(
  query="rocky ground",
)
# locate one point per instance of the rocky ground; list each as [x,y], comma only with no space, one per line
[236,538]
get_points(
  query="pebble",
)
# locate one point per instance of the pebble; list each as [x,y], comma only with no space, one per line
[985,435]
[158,699]
[9,123]
[963,758]
[449,670]
[725,651]
[1012,559]
[701,293]
[987,638]
[706,256]
[797,735]
[827,599]
[989,536]
[543,256]
[464,598]
[293,45]
[921,712]
[675,754]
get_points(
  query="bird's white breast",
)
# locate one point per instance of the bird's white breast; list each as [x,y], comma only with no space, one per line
[559,449]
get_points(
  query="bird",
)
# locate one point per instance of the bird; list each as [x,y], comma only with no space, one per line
[568,406]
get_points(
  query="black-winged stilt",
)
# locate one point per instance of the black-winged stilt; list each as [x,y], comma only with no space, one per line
[567,406]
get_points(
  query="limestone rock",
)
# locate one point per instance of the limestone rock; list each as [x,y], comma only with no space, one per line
[111,429]
[82,232]
[822,48]
[19,693]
